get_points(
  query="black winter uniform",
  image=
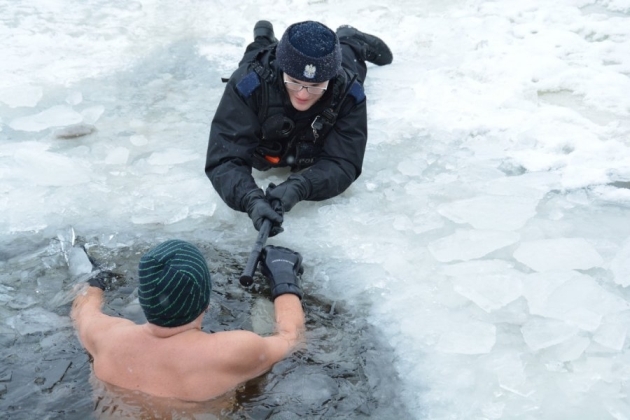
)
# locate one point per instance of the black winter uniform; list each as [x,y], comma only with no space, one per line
[255,125]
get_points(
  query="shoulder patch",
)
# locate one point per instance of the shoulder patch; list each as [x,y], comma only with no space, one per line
[357,92]
[248,84]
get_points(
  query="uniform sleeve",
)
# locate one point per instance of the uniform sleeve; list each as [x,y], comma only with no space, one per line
[341,160]
[234,135]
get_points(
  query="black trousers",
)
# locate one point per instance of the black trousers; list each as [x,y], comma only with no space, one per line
[352,55]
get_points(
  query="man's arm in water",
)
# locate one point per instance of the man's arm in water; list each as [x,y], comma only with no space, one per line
[281,267]
[88,318]
[251,355]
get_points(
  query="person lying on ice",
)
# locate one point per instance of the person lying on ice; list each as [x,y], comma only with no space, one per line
[297,103]
[170,356]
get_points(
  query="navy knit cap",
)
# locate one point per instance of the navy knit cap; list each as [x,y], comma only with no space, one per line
[174,284]
[309,51]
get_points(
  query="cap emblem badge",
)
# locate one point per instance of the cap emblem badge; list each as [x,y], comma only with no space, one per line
[309,71]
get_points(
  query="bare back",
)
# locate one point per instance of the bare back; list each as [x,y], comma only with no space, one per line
[183,362]
[192,365]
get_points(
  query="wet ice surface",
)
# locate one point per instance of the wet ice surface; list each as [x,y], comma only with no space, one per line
[344,371]
[487,240]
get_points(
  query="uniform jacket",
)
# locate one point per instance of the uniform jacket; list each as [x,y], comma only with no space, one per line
[255,125]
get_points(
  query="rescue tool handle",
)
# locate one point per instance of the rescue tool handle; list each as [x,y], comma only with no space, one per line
[247,278]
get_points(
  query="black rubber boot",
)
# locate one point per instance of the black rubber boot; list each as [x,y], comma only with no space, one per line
[374,49]
[264,28]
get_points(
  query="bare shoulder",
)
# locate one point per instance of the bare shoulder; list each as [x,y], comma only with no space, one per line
[234,344]
[91,323]
[244,352]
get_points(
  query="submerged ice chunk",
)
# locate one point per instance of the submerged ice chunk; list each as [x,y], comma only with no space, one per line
[45,168]
[262,317]
[6,294]
[540,333]
[78,262]
[618,409]
[138,140]
[74,98]
[172,157]
[572,297]
[470,244]
[530,184]
[25,95]
[558,254]
[571,349]
[56,116]
[311,388]
[92,114]
[53,374]
[489,284]
[467,337]
[167,215]
[620,265]
[117,156]
[510,371]
[50,283]
[612,334]
[494,212]
[35,320]
[490,291]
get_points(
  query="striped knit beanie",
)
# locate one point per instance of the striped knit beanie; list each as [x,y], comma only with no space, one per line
[309,51]
[174,284]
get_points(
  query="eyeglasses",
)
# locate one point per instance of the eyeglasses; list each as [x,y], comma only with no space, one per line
[296,87]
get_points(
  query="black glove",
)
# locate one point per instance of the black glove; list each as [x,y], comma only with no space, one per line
[290,192]
[259,209]
[98,281]
[281,266]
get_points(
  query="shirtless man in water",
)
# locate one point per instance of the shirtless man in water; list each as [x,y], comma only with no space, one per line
[170,356]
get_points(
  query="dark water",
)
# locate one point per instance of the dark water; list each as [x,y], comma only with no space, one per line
[344,370]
